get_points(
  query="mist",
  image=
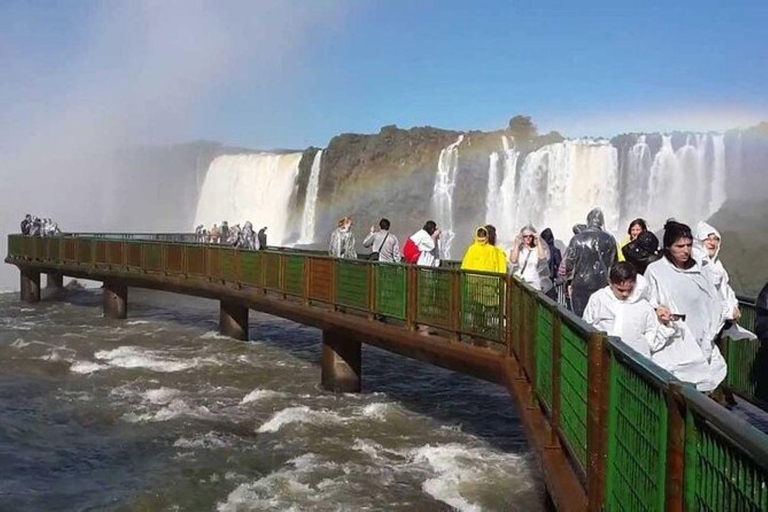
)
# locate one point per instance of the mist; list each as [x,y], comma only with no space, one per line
[86,90]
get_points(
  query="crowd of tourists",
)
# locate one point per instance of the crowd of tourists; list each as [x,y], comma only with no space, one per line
[243,237]
[669,301]
[35,226]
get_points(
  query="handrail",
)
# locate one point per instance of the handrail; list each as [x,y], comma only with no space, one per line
[579,381]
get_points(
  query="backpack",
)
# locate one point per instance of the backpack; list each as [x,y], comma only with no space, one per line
[411,251]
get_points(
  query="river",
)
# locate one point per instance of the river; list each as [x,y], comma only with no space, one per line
[159,412]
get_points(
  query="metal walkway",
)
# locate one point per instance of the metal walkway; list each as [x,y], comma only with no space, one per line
[612,430]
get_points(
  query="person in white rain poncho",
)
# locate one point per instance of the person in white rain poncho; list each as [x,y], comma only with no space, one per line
[342,243]
[706,247]
[684,296]
[426,240]
[621,309]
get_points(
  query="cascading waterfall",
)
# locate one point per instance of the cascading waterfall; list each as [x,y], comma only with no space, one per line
[249,187]
[493,196]
[308,219]
[442,194]
[508,190]
[687,183]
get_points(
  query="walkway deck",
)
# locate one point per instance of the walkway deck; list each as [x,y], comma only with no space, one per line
[612,430]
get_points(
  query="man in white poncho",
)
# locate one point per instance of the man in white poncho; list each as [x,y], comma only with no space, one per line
[706,248]
[621,309]
[683,294]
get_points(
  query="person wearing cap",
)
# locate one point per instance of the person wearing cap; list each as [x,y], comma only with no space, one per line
[530,260]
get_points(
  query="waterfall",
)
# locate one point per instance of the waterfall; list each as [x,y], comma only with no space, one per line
[639,161]
[249,187]
[442,194]
[688,183]
[493,196]
[717,197]
[310,201]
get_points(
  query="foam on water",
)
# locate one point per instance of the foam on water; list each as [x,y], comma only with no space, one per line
[301,414]
[135,357]
[161,396]
[261,394]
[86,367]
[211,440]
[177,408]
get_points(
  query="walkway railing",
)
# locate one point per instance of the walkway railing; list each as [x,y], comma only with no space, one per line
[637,438]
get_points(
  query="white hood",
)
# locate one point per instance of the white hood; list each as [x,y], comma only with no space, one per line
[701,233]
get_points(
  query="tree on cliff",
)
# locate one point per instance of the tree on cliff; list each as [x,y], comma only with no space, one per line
[522,128]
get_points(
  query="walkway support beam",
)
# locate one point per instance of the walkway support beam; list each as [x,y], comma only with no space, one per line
[233,320]
[341,370]
[54,281]
[30,285]
[115,300]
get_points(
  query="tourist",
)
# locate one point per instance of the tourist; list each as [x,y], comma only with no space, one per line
[262,238]
[588,259]
[636,227]
[621,309]
[642,251]
[342,243]
[706,248]
[492,239]
[483,256]
[385,246]
[215,234]
[248,236]
[26,225]
[683,294]
[224,230]
[561,274]
[555,259]
[530,260]
[422,247]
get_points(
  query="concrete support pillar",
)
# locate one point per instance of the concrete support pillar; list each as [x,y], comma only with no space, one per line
[233,320]
[54,281]
[341,363]
[115,300]
[30,285]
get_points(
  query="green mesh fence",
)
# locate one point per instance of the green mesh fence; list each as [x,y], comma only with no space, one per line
[391,290]
[14,246]
[516,297]
[272,270]
[228,264]
[434,297]
[637,441]
[250,267]
[573,391]
[482,306]
[718,476]
[544,353]
[153,256]
[748,316]
[747,368]
[352,284]
[294,275]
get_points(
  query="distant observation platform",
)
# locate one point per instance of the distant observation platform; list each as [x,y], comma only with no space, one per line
[611,430]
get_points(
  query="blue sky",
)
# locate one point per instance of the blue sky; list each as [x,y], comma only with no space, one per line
[295,73]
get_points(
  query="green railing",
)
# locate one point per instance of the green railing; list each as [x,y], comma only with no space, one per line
[637,438]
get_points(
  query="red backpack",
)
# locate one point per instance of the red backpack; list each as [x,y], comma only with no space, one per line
[411,251]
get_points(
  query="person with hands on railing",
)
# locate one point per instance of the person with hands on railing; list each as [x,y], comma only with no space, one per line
[621,309]
[706,248]
[530,260]
[684,296]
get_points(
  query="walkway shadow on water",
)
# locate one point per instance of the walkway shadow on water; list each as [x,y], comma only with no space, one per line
[478,408]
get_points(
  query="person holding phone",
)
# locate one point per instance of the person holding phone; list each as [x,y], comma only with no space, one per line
[530,260]
[682,293]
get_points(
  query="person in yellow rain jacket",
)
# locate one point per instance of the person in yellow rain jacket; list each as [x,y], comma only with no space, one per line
[483,255]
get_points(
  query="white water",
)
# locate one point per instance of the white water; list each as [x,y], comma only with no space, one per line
[442,194]
[556,186]
[688,184]
[250,187]
[308,219]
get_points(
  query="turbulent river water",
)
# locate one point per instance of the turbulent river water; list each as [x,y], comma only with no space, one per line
[159,412]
